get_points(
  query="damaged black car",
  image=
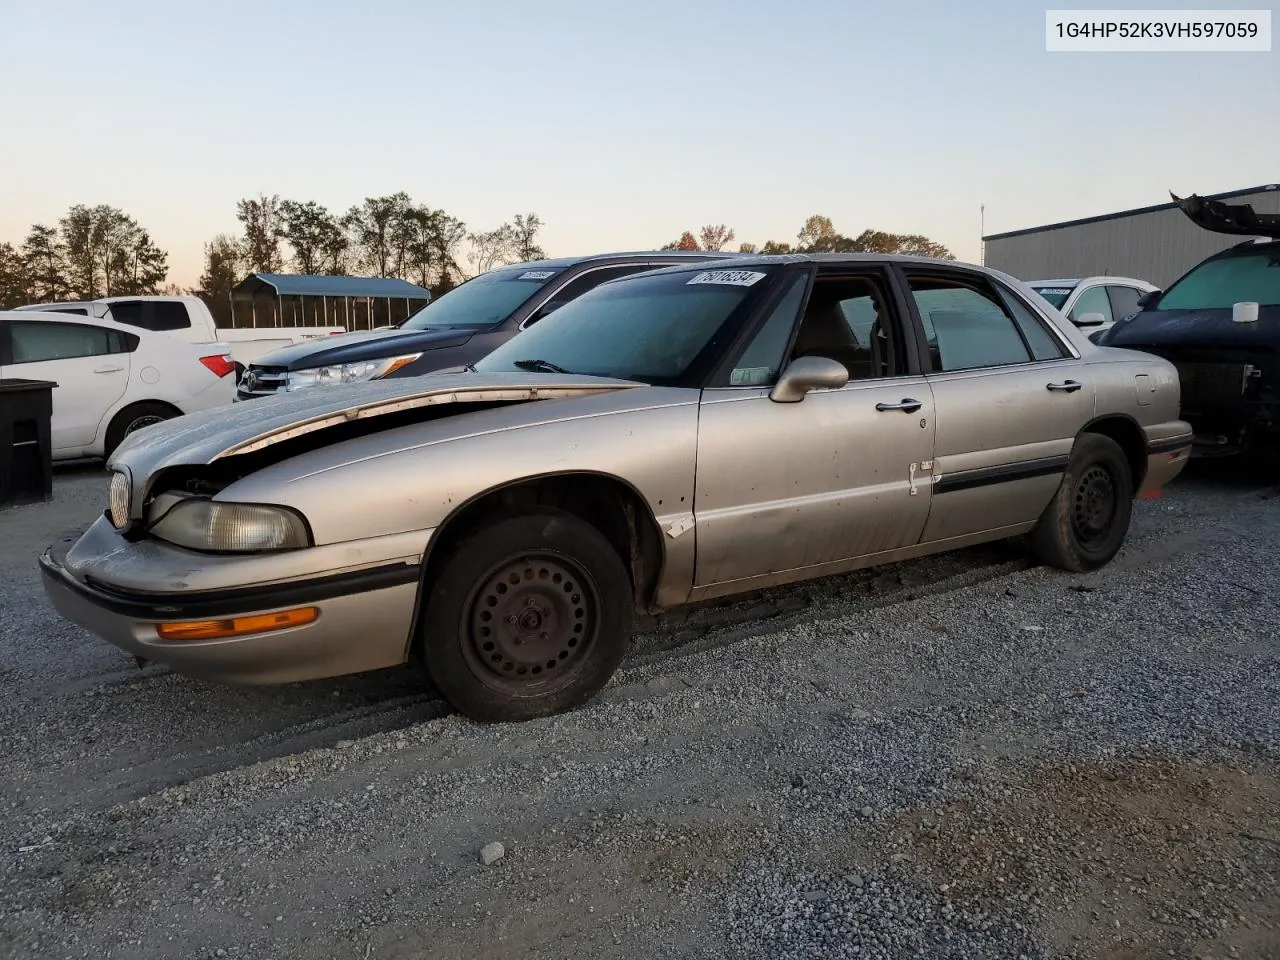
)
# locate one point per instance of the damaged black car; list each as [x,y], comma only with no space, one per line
[1220,325]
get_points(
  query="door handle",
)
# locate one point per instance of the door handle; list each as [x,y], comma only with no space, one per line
[107,369]
[1068,386]
[906,406]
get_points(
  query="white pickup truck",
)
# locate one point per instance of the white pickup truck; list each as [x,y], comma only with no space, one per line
[187,318]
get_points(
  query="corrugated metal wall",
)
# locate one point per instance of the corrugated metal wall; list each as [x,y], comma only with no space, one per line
[1157,247]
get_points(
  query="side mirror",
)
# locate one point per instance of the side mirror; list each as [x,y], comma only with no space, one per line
[808,373]
[1148,298]
[1090,320]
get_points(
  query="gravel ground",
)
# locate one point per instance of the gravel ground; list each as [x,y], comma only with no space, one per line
[965,756]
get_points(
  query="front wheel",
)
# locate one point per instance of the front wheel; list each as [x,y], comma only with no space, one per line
[529,617]
[1085,525]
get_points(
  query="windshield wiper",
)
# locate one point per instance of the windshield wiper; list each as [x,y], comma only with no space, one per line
[470,368]
[542,366]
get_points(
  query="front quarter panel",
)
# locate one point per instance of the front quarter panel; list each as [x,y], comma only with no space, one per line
[413,478]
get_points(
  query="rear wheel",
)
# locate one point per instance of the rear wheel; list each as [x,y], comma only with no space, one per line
[1085,525]
[133,418]
[529,617]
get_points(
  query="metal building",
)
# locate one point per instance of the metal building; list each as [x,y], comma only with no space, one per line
[305,300]
[1157,244]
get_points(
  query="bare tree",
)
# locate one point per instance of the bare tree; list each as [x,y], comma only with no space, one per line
[492,247]
[715,237]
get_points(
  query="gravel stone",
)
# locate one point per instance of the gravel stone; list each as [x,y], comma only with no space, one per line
[884,764]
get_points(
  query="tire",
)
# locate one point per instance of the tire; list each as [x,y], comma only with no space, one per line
[1085,525]
[134,417]
[482,634]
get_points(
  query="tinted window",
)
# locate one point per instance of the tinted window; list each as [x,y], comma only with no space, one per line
[965,325]
[1124,301]
[42,340]
[1218,284]
[761,362]
[1056,295]
[584,282]
[846,319]
[127,311]
[1044,345]
[650,328]
[482,301]
[78,311]
[1092,300]
[168,315]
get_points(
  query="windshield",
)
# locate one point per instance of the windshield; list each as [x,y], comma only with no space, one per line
[649,328]
[483,301]
[1056,295]
[1218,284]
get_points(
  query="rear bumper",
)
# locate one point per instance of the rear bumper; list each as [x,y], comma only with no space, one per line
[364,623]
[1166,458]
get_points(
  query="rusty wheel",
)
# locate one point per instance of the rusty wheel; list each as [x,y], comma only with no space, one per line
[532,622]
[529,616]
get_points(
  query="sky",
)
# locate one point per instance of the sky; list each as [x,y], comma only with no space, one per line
[620,125]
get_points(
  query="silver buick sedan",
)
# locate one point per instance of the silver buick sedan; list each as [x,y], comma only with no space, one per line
[670,437]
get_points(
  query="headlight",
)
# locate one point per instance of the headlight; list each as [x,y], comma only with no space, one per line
[118,500]
[200,524]
[347,372]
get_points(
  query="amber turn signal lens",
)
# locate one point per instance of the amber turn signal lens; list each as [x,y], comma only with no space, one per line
[236,627]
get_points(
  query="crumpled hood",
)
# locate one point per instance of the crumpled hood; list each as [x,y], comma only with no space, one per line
[1207,328]
[202,438]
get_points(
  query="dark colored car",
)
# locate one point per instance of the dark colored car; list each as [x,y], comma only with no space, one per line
[454,330]
[1220,325]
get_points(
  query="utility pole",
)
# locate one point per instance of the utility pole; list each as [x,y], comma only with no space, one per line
[982,231]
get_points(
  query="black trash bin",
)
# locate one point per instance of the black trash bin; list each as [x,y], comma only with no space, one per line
[26,451]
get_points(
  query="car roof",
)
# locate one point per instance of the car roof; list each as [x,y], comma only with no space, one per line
[560,263]
[26,315]
[1098,278]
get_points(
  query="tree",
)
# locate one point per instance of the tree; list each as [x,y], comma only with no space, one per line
[491,247]
[82,231]
[450,232]
[878,241]
[746,248]
[14,281]
[773,248]
[46,264]
[222,266]
[138,265]
[715,237]
[263,230]
[307,228]
[817,236]
[687,241]
[372,225]
[524,233]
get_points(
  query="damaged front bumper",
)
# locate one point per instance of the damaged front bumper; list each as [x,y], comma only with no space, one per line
[361,612]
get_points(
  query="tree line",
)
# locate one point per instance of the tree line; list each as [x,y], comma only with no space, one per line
[97,251]
[818,235]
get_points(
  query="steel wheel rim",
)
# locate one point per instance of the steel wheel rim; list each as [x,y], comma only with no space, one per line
[142,422]
[1095,506]
[531,623]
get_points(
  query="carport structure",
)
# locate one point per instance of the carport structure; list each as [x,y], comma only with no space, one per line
[305,300]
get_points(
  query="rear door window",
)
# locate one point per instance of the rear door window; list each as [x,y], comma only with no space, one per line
[39,341]
[966,325]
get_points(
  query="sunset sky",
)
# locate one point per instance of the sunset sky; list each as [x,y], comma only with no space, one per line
[619,124]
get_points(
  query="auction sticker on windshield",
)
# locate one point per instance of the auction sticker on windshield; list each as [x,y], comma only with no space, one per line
[736,278]
[536,275]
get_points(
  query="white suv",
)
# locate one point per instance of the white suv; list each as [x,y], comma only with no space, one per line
[1094,303]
